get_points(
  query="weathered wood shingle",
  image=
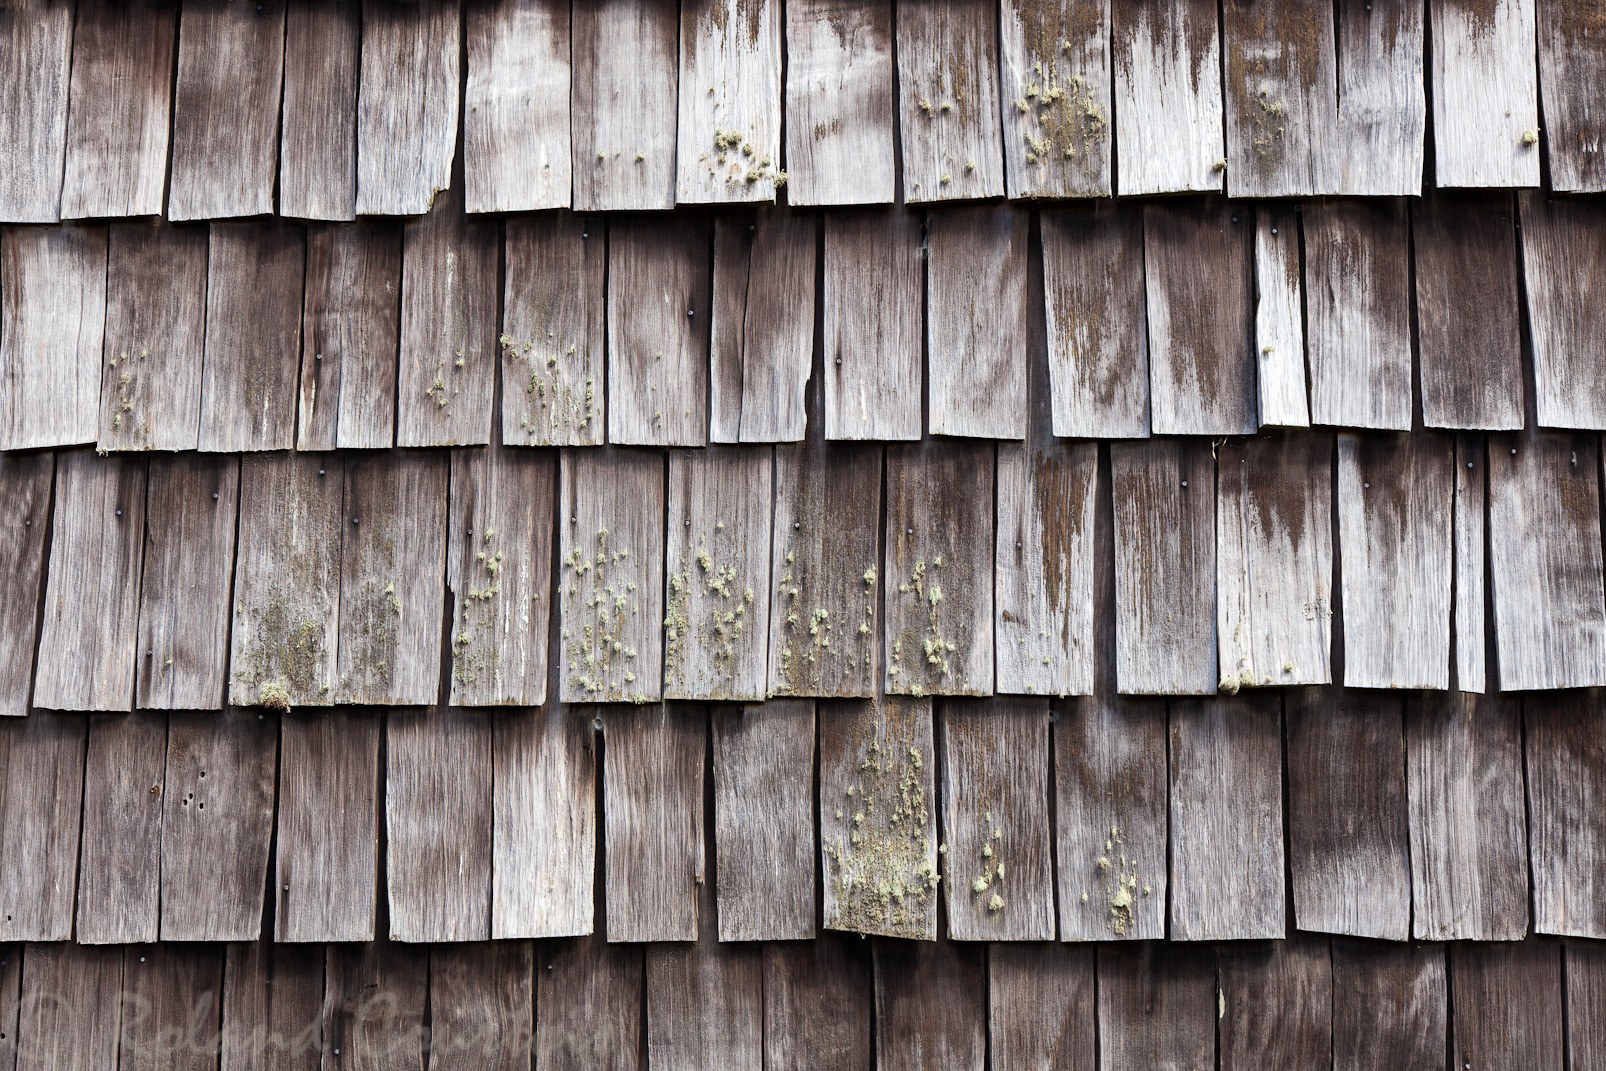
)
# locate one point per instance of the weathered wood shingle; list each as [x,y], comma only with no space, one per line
[516,130]
[873,295]
[1281,99]
[407,105]
[36,44]
[1054,61]
[1382,97]
[948,100]
[624,104]
[1168,112]
[1485,93]
[1564,277]
[839,102]
[318,124]
[25,482]
[728,134]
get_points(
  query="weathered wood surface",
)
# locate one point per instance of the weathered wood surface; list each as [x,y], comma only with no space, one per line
[10,1002]
[839,103]
[1157,1006]
[350,316]
[52,329]
[588,1005]
[976,322]
[1348,839]
[171,996]
[35,60]
[1565,764]
[728,140]
[1275,1004]
[995,820]
[438,819]
[762,337]
[1165,567]
[877,759]
[274,1010]
[1485,93]
[226,109]
[77,1030]
[1279,320]
[1584,969]
[705,1001]
[623,104]
[936,580]
[652,785]
[1471,520]
[25,484]
[1274,560]
[285,633]
[1395,538]
[1199,282]
[516,129]
[553,331]
[1168,111]
[1564,276]
[1226,819]
[360,1032]
[482,1006]
[818,1003]
[392,559]
[873,280]
[184,588]
[155,345]
[1505,998]
[120,844]
[41,799]
[318,127]
[1098,328]
[91,613]
[764,821]
[1469,847]
[544,830]
[255,281]
[1390,1005]
[122,85]
[326,848]
[499,573]
[948,101]
[1040,1008]
[1470,354]
[1281,99]
[1382,98]
[824,636]
[930,1006]
[407,106]
[611,578]
[658,297]
[1054,63]
[1358,306]
[1572,57]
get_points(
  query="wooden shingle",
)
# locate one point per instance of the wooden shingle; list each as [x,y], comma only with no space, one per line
[930,1005]
[1281,99]
[174,987]
[41,799]
[818,1003]
[1390,1005]
[1470,524]
[120,846]
[36,43]
[354,1037]
[1157,1005]
[705,1004]
[77,1029]
[1504,999]
[318,131]
[1040,1007]
[948,100]
[1054,63]
[1584,970]
[1382,98]
[1564,276]
[1279,319]
[482,1006]
[1572,57]
[25,484]
[1168,112]
[272,1005]
[873,295]
[10,1002]
[1565,766]
[516,129]
[1485,93]
[407,105]
[728,137]
[839,102]
[1275,1004]
[625,71]
[589,1005]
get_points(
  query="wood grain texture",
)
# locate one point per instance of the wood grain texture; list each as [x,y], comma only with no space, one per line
[499,573]
[588,1006]
[10,1002]
[190,520]
[554,331]
[936,583]
[318,130]
[76,1031]
[824,638]
[873,294]
[41,799]
[1470,524]
[1348,830]
[120,843]
[1281,86]
[623,104]
[818,1004]
[392,561]
[1565,765]
[350,337]
[658,315]
[705,1002]
[717,560]
[25,483]
[652,783]
[544,830]
[36,43]
[172,997]
[611,580]
[1199,282]
[516,129]
[976,317]
[121,94]
[1382,98]
[1572,55]
[273,1011]
[1165,567]
[1275,1004]
[764,821]
[1054,61]
[52,329]
[1168,111]
[438,820]
[255,281]
[728,144]
[1469,877]
[1358,306]
[285,634]
[947,109]
[1485,93]
[375,997]
[880,870]
[155,345]
[995,819]
[930,1005]
[1274,560]
[482,1006]
[1390,1004]
[1279,319]
[762,338]
[1470,355]
[1395,537]
[226,109]
[1157,1006]
[839,103]
[326,850]
[1564,276]
[86,641]
[1505,998]
[1040,1008]
[1584,972]
[407,106]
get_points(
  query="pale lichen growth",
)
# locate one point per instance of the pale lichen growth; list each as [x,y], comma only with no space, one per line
[600,600]
[474,632]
